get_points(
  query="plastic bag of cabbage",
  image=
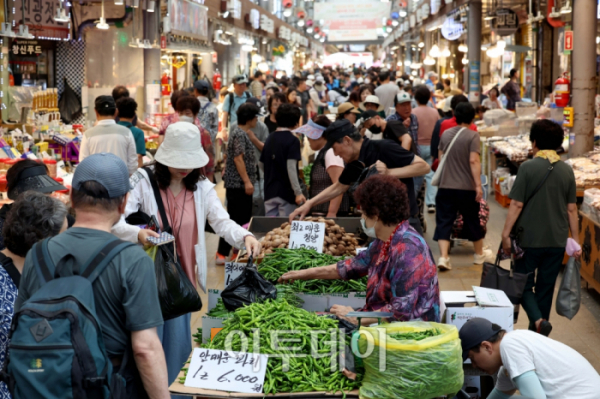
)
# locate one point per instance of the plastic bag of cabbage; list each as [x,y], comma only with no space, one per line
[421,368]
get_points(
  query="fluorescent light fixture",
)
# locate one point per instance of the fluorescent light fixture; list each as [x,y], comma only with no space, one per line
[554,13]
[463,48]
[429,60]
[221,14]
[435,51]
[118,2]
[150,7]
[7,30]
[566,8]
[489,16]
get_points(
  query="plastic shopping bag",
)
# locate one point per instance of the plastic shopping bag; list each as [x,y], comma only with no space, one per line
[412,369]
[249,287]
[176,293]
[568,299]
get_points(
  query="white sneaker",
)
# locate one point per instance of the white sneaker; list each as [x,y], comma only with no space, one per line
[444,264]
[479,259]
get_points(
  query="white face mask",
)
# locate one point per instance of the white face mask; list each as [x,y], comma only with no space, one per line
[183,118]
[369,231]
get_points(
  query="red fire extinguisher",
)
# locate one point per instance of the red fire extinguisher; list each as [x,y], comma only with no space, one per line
[217,80]
[562,91]
[165,85]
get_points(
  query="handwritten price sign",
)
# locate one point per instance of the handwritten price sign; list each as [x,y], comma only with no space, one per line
[227,371]
[307,235]
[233,271]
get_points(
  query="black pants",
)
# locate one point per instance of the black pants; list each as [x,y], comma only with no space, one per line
[547,262]
[448,202]
[239,206]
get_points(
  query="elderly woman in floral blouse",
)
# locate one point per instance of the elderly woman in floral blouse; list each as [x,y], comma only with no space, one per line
[402,276]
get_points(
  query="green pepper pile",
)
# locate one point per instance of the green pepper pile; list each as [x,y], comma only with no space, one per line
[198,336]
[283,260]
[416,335]
[305,373]
[287,293]
[219,310]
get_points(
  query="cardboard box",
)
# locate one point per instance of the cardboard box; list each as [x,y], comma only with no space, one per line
[457,307]
[208,322]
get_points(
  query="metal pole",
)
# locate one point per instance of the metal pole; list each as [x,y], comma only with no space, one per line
[151,56]
[584,76]
[474,40]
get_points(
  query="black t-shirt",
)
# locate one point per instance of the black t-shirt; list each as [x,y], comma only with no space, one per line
[279,147]
[394,130]
[393,156]
[270,124]
[304,98]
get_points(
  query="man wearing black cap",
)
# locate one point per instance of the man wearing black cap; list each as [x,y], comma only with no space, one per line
[539,367]
[125,292]
[234,100]
[392,129]
[209,114]
[387,156]
[109,137]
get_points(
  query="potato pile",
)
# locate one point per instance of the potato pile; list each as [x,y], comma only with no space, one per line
[337,241]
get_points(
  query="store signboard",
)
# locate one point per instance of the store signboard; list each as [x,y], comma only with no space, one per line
[284,33]
[267,24]
[254,18]
[474,80]
[568,40]
[300,39]
[351,20]
[26,47]
[506,22]
[39,17]
[435,6]
[412,20]
[452,30]
[189,19]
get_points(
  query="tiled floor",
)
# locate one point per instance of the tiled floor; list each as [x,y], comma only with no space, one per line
[582,333]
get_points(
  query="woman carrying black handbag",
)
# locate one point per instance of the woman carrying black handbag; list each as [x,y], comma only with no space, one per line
[542,210]
[189,201]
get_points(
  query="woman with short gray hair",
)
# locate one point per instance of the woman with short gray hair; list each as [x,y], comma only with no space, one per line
[33,217]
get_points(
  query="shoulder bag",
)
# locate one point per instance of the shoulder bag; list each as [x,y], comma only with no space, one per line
[437,177]
[176,293]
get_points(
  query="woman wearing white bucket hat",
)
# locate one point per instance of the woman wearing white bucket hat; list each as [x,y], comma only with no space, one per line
[190,200]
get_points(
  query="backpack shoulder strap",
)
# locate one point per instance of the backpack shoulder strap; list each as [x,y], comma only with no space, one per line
[42,261]
[96,265]
[231,99]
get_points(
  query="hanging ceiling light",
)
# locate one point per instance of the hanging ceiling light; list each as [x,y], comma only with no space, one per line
[402,13]
[395,22]
[501,44]
[322,40]
[494,52]
[219,29]
[446,52]
[566,9]
[309,30]
[465,61]
[554,13]
[489,16]
[414,73]
[256,58]
[445,76]
[597,39]
[61,15]
[317,36]
[265,40]
[435,51]
[287,12]
[463,48]
[102,22]
[150,7]
[24,32]
[300,22]
[407,63]
[429,60]
[416,65]
[7,30]
[421,44]
[399,63]
[452,75]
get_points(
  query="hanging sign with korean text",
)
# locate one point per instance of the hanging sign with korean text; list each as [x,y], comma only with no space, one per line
[26,47]
[308,235]
[39,17]
[227,371]
[188,19]
[506,22]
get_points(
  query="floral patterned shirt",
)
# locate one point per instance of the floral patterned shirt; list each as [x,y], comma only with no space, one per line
[239,144]
[402,276]
[207,143]
[8,295]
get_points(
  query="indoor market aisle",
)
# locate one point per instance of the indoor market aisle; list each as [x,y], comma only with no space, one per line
[582,333]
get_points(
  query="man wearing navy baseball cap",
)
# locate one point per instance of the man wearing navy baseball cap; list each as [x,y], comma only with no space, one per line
[539,367]
[125,291]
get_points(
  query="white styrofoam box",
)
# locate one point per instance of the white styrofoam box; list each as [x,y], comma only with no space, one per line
[355,300]
[315,302]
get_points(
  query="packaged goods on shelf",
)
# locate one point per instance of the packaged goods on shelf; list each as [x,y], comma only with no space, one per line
[591,204]
[516,148]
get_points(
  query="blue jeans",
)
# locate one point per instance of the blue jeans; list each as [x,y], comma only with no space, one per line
[430,191]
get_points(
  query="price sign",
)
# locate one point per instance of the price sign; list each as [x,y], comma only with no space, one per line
[232,271]
[227,371]
[307,235]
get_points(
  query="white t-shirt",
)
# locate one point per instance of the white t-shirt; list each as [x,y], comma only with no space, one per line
[333,160]
[562,371]
[489,104]
[386,93]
